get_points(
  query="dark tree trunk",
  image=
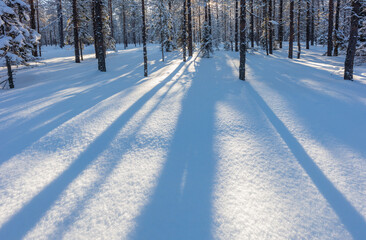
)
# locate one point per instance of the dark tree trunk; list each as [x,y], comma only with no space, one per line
[125,42]
[308,21]
[265,16]
[144,36]
[280,26]
[291,37]
[76,31]
[40,43]
[190,37]
[33,25]
[133,28]
[60,24]
[252,23]
[298,28]
[99,36]
[10,73]
[110,10]
[184,34]
[81,51]
[330,28]
[353,36]
[270,39]
[236,25]
[336,29]
[312,38]
[242,40]
[94,29]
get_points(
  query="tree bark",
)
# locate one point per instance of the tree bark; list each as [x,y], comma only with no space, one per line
[76,31]
[308,24]
[99,36]
[291,37]
[298,28]
[252,23]
[236,25]
[110,9]
[38,29]
[242,40]
[60,24]
[10,73]
[336,29]
[33,25]
[184,34]
[330,28]
[351,49]
[144,37]
[270,39]
[190,37]
[280,27]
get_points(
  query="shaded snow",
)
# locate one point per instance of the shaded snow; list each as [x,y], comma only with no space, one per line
[190,152]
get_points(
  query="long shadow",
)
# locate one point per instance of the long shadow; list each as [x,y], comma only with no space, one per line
[27,217]
[60,113]
[349,216]
[180,207]
[112,163]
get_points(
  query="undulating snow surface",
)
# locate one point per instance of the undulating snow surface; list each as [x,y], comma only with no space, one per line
[190,152]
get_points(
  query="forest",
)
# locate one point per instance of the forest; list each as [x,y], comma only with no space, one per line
[182,119]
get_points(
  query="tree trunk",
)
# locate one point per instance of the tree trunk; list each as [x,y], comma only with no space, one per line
[298,29]
[99,36]
[60,24]
[242,40]
[280,26]
[10,73]
[270,39]
[236,25]
[184,34]
[94,29]
[144,36]
[353,36]
[330,28]
[308,24]
[190,37]
[336,29]
[252,23]
[76,31]
[125,42]
[291,37]
[110,10]
[40,43]
[312,38]
[33,25]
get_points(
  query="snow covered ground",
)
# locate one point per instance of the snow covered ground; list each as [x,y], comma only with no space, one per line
[190,152]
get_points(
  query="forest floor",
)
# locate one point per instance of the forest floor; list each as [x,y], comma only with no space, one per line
[189,152]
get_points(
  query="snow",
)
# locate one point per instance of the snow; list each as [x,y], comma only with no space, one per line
[189,152]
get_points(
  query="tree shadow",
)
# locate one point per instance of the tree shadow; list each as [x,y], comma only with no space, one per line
[26,132]
[349,216]
[181,205]
[30,214]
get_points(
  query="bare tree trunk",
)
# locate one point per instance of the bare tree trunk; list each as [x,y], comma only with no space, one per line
[190,37]
[291,37]
[99,36]
[236,25]
[330,28]
[270,39]
[336,29]
[125,42]
[110,10]
[252,23]
[184,30]
[144,36]
[94,29]
[298,29]
[40,43]
[242,40]
[60,24]
[10,72]
[76,31]
[353,36]
[308,24]
[312,38]
[280,27]
[33,25]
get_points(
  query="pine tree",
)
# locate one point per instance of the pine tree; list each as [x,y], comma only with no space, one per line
[17,39]
[291,37]
[330,28]
[144,36]
[60,23]
[99,36]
